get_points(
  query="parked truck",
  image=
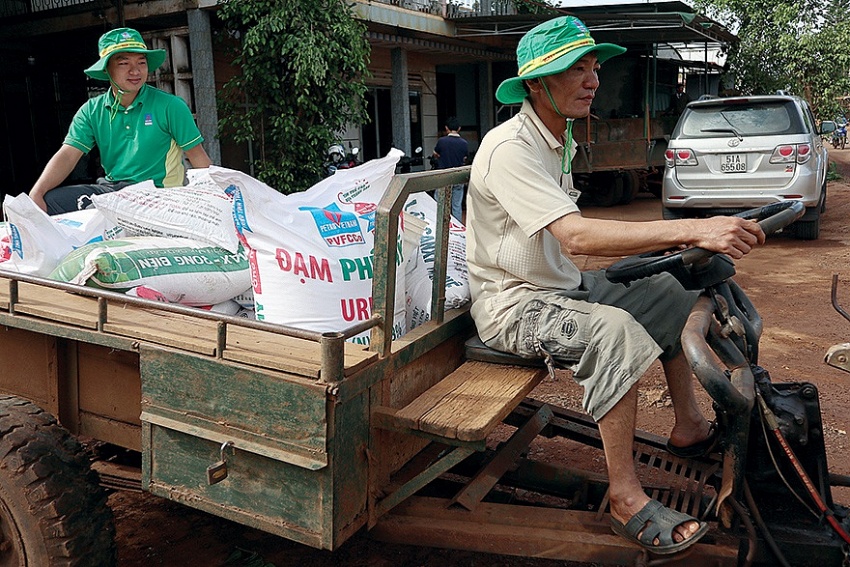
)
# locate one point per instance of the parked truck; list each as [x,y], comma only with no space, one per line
[621,143]
[314,438]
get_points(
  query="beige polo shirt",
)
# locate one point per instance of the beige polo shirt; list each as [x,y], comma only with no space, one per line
[516,189]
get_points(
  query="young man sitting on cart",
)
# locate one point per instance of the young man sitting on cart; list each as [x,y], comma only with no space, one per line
[530,299]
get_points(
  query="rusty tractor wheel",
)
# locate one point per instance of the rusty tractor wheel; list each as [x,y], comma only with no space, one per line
[53,512]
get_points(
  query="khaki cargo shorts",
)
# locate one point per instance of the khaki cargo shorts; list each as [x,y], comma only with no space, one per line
[607,334]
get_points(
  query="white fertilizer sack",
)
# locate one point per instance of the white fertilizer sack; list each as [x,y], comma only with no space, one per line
[181,270]
[311,253]
[420,267]
[229,307]
[200,210]
[38,242]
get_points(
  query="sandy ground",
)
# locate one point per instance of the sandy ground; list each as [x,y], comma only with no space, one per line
[788,280]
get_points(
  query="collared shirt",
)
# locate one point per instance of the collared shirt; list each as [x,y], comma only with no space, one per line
[144,141]
[516,189]
[452,149]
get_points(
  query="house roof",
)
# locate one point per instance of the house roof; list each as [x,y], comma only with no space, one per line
[645,23]
[466,33]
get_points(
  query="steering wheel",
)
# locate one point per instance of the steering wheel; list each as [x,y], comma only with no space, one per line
[680,263]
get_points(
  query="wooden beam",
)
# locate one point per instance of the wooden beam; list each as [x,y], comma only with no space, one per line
[531,531]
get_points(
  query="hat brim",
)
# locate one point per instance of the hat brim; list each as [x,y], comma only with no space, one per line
[155,57]
[511,90]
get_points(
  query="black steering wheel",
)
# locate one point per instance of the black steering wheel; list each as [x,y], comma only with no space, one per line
[682,263]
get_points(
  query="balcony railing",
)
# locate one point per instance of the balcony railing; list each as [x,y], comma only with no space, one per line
[450,9]
[456,9]
[9,8]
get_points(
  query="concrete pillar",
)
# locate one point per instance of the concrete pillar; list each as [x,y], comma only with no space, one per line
[400,101]
[203,75]
[486,94]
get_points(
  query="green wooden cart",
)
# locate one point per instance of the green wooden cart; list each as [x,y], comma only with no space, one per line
[304,434]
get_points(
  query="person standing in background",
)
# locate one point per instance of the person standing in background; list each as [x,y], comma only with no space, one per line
[452,151]
[679,100]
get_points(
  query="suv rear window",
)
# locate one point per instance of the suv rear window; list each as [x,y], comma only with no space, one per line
[746,119]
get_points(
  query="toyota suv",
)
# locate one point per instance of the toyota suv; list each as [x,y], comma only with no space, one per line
[727,155]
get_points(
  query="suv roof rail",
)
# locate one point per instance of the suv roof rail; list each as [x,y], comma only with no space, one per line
[707,97]
[782,92]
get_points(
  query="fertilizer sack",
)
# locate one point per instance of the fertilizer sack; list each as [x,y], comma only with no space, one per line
[419,269]
[181,270]
[311,253]
[200,211]
[38,242]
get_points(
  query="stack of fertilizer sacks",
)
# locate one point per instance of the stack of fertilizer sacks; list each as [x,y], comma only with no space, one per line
[229,243]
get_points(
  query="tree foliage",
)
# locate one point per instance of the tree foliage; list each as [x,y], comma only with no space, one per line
[795,45]
[302,70]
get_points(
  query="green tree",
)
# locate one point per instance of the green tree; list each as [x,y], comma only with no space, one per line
[302,70]
[794,45]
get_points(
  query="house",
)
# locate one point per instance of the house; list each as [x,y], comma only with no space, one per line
[430,59]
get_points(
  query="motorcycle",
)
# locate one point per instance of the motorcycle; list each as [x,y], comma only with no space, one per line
[407,162]
[839,137]
[336,159]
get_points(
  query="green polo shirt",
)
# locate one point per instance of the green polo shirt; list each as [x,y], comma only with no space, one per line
[141,142]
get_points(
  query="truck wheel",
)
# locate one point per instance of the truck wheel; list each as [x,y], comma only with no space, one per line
[607,191]
[53,512]
[630,181]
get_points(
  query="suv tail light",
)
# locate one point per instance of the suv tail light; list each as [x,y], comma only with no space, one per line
[789,153]
[804,153]
[679,157]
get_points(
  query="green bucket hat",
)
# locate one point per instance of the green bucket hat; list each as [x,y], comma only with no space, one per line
[548,49]
[123,40]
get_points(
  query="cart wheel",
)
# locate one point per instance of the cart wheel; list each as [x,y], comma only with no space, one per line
[53,512]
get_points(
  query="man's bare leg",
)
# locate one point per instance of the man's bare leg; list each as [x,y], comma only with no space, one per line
[691,426]
[617,428]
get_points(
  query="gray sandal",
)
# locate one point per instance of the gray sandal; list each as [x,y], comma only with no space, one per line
[657,521]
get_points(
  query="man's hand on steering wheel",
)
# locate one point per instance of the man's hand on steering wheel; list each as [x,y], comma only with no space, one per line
[733,236]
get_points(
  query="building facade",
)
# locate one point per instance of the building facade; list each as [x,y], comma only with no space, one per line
[430,59]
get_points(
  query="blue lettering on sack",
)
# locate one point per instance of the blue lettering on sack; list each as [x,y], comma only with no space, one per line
[17,245]
[370,220]
[338,228]
[240,219]
[70,222]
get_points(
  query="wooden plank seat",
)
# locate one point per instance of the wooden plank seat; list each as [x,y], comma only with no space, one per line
[469,403]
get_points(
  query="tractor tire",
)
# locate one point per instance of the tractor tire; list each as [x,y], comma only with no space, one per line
[672,214]
[807,230]
[53,512]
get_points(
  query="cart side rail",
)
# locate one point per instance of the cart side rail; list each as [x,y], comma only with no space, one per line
[386,250]
[110,304]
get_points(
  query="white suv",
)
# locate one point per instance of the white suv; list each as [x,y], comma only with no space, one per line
[731,154]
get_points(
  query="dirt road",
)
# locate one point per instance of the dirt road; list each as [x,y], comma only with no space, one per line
[788,281]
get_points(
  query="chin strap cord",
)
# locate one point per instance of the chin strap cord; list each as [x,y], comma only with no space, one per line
[566,164]
[773,424]
[117,93]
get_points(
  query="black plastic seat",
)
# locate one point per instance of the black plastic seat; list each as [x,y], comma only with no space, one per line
[475,349]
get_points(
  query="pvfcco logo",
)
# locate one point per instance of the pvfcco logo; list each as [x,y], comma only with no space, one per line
[337,228]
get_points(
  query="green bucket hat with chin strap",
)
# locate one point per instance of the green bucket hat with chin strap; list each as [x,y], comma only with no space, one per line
[548,49]
[123,40]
